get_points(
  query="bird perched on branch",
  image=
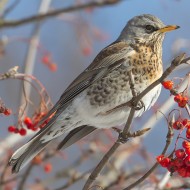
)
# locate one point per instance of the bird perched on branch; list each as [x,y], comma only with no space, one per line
[86,103]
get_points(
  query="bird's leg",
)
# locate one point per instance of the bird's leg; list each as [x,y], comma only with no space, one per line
[136,105]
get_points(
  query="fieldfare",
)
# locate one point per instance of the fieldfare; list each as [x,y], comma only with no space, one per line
[103,86]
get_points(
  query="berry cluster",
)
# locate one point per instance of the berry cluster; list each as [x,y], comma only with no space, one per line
[168,84]
[28,124]
[13,129]
[181,99]
[5,111]
[179,161]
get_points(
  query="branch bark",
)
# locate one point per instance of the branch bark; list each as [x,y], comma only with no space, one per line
[42,16]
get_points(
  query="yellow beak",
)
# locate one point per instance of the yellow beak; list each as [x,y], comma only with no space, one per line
[168,28]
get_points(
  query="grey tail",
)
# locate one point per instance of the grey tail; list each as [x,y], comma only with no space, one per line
[25,154]
[28,151]
[75,135]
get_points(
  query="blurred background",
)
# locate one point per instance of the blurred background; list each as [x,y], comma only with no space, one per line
[65,45]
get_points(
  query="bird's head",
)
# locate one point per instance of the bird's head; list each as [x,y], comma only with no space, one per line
[145,29]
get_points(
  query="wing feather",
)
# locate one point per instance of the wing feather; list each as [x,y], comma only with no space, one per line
[108,59]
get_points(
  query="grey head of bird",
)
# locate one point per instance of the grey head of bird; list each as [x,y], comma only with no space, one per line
[145,29]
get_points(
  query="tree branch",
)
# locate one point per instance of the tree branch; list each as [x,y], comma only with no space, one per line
[169,138]
[42,16]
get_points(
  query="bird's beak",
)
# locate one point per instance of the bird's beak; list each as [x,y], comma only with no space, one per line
[168,28]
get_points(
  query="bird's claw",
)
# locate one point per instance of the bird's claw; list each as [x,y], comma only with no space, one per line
[140,105]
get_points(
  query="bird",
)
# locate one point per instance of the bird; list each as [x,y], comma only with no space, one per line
[104,85]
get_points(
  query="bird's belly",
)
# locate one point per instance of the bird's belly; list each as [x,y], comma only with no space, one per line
[98,115]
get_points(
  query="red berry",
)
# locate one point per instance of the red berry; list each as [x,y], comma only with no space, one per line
[186,144]
[11,129]
[33,128]
[188,171]
[48,167]
[188,131]
[165,162]
[184,122]
[180,153]
[37,160]
[22,132]
[7,112]
[168,84]
[187,136]
[182,171]
[179,162]
[178,98]
[177,125]
[172,167]
[187,151]
[46,59]
[159,158]
[183,102]
[87,51]
[28,122]
[52,67]
[187,161]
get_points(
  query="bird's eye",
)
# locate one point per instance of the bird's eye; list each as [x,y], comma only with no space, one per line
[150,28]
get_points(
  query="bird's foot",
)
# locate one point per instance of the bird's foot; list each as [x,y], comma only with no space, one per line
[139,105]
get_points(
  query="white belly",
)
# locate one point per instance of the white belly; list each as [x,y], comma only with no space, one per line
[92,115]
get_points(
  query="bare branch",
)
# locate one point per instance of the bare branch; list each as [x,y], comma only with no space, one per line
[42,16]
[169,138]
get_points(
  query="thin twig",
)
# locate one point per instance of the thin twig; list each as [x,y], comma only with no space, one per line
[11,179]
[39,17]
[169,138]
[124,177]
[10,8]
[101,164]
[74,180]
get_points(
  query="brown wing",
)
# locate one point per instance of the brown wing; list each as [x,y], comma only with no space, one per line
[109,58]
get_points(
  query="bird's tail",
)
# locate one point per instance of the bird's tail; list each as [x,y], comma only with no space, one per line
[26,153]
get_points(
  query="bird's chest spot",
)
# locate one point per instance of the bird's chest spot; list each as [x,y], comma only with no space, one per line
[147,65]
